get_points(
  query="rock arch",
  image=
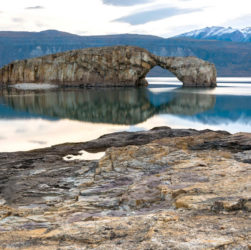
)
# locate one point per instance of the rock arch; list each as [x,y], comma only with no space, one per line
[106,66]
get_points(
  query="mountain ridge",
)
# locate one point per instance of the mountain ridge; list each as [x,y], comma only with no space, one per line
[220,33]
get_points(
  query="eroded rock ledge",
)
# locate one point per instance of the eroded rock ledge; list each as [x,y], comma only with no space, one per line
[106,66]
[159,189]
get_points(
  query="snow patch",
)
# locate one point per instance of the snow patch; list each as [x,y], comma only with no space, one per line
[217,32]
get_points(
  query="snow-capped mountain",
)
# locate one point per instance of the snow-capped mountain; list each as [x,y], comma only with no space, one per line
[220,33]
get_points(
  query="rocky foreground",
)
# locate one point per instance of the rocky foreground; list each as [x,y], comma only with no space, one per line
[161,189]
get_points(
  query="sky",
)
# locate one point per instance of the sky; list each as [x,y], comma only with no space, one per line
[163,18]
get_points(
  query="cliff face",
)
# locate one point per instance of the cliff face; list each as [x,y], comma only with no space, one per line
[107,66]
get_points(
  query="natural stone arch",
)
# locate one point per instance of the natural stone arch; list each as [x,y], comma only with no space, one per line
[106,66]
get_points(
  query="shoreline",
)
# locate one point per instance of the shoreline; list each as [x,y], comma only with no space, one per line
[108,140]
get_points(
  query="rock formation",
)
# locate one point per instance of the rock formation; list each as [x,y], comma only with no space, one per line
[106,66]
[158,189]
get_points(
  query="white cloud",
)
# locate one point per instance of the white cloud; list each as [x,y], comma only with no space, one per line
[93,17]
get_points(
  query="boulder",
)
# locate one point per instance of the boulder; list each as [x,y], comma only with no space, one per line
[106,66]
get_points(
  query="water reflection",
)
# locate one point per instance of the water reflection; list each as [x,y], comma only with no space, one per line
[114,105]
[181,101]
[36,119]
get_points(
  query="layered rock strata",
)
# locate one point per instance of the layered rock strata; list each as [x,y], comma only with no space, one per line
[161,189]
[106,66]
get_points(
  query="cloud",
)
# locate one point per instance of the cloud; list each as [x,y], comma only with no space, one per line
[17,20]
[38,142]
[125,2]
[40,24]
[240,22]
[153,15]
[34,8]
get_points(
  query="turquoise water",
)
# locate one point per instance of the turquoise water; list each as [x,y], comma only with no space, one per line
[32,119]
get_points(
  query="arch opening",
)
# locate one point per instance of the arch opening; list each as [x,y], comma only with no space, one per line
[163,77]
[157,71]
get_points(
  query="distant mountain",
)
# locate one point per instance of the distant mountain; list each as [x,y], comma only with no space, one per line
[230,58]
[220,33]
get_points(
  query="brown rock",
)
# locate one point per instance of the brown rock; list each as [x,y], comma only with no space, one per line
[107,66]
[162,195]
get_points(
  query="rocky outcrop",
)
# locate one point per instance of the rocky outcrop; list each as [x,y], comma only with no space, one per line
[159,189]
[107,66]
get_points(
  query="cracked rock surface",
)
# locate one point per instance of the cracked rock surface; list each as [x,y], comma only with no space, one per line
[158,189]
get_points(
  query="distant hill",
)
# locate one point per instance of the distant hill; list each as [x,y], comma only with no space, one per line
[220,33]
[230,58]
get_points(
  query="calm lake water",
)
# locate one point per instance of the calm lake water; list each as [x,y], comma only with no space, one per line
[34,119]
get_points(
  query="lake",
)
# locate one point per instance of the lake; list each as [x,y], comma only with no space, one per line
[39,118]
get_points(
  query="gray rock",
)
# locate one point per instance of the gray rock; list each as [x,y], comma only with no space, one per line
[244,156]
[106,66]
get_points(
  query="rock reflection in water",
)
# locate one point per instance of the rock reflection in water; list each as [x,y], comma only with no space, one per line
[182,102]
[114,105]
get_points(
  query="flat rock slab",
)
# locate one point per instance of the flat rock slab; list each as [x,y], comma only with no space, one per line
[158,189]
